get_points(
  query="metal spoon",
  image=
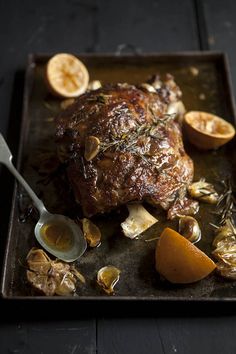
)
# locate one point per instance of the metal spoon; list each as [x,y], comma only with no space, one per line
[77,242]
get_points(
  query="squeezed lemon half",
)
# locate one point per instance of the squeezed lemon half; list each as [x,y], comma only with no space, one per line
[206,130]
[66,75]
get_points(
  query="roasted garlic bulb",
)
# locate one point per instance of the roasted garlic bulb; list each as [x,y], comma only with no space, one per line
[189,228]
[203,191]
[223,232]
[51,277]
[225,251]
[226,270]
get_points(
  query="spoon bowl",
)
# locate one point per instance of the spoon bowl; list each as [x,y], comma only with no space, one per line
[60,236]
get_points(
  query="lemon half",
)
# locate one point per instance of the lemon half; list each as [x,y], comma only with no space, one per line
[206,130]
[66,75]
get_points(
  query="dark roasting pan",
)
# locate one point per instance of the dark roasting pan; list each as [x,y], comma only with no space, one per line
[209,91]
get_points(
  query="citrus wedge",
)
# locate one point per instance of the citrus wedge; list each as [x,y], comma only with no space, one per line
[66,75]
[179,261]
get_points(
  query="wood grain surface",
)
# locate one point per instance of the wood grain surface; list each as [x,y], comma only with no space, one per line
[101,26]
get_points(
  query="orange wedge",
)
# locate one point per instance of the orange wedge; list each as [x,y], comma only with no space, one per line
[66,75]
[206,130]
[179,261]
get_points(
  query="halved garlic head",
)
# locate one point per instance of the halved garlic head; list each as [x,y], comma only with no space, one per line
[51,277]
[206,130]
[226,270]
[224,232]
[225,251]
[107,278]
[138,221]
[189,228]
[203,191]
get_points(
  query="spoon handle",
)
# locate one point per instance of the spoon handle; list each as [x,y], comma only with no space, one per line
[6,159]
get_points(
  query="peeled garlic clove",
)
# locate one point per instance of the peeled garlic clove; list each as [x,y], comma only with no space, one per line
[94,85]
[138,221]
[91,233]
[92,147]
[203,191]
[107,278]
[189,228]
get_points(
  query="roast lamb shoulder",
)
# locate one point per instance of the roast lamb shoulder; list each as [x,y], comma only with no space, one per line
[120,145]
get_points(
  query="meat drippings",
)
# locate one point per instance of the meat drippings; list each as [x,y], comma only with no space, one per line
[58,236]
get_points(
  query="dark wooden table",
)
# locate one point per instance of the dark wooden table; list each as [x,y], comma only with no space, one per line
[100,26]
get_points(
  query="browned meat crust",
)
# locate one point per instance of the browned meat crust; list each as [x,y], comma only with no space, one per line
[141,155]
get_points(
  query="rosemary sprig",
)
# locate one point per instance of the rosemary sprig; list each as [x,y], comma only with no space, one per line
[227,203]
[128,142]
[100,98]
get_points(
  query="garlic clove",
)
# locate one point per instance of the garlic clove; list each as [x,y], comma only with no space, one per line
[92,147]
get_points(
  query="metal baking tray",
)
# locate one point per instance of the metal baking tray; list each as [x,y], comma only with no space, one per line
[209,91]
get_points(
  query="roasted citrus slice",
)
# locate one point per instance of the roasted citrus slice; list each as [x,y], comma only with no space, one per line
[179,261]
[66,75]
[206,130]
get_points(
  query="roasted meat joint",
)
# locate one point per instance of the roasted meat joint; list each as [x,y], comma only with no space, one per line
[123,143]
